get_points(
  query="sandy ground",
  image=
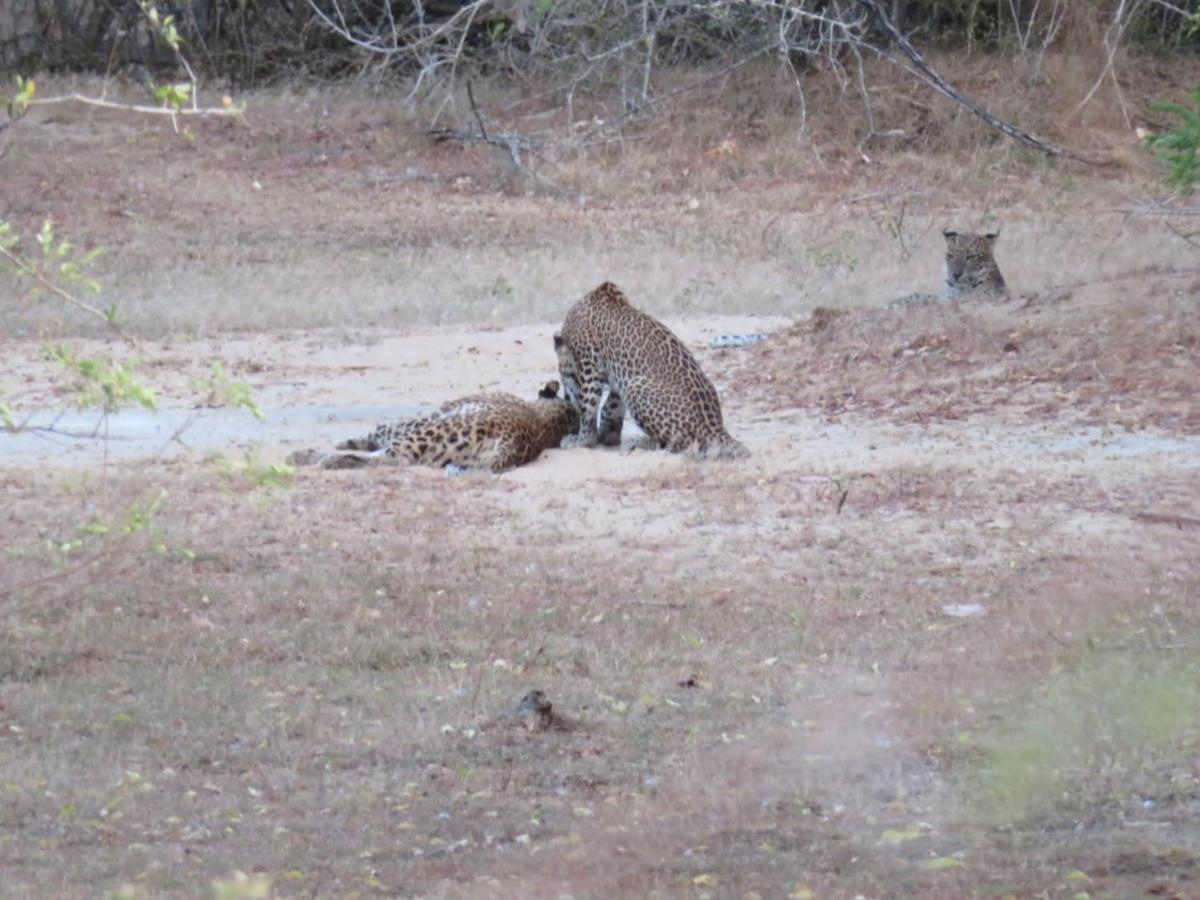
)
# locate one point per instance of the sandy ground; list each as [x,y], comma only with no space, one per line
[316,387]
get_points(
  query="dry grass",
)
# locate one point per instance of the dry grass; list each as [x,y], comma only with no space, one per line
[764,691]
[312,698]
[1121,354]
[330,206]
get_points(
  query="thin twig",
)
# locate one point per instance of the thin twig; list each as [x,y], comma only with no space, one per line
[1120,22]
[1056,638]
[1158,208]
[683,89]
[1187,237]
[475,109]
[228,111]
[1167,519]
[48,285]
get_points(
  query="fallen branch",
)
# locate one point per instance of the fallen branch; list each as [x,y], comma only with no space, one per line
[226,111]
[936,81]
[1158,208]
[1155,518]
[513,142]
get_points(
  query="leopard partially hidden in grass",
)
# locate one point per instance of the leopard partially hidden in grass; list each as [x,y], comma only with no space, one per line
[607,344]
[491,432]
[971,271]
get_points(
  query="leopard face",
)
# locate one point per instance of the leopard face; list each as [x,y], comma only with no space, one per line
[971,270]
[971,263]
[607,344]
[485,431]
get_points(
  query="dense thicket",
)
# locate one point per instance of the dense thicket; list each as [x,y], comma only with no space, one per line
[249,41]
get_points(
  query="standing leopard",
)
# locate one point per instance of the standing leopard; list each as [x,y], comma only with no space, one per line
[971,270]
[492,431]
[606,343]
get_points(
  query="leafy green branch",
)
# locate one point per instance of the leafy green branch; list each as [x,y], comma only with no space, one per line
[60,266]
[173,99]
[19,102]
[1179,146]
[104,545]
[252,470]
[221,390]
[105,384]
[108,384]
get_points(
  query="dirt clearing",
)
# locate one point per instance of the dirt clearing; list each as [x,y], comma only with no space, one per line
[937,637]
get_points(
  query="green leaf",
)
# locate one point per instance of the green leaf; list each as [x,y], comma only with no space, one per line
[1179,146]
[944,862]
[45,237]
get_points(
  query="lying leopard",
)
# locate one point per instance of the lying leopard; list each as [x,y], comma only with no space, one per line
[491,432]
[971,271]
[647,370]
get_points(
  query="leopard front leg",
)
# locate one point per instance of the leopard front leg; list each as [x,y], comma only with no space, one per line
[612,420]
[583,387]
[588,400]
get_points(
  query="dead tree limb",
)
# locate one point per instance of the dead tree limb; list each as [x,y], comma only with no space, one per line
[475,109]
[931,77]
[513,142]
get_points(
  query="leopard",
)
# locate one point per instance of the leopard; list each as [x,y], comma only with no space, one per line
[483,432]
[971,271]
[606,343]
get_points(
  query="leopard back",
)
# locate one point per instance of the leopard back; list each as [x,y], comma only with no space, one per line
[606,342]
[493,431]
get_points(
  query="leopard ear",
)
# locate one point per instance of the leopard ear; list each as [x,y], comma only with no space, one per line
[558,340]
[550,391]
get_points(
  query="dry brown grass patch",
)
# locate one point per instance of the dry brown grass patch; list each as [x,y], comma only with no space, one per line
[1121,354]
[308,694]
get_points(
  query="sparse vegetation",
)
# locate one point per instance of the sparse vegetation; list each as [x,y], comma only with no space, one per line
[1179,145]
[1113,730]
[252,470]
[936,638]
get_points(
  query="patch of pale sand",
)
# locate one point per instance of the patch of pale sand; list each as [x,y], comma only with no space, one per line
[605,492]
[313,386]
[417,365]
[320,387]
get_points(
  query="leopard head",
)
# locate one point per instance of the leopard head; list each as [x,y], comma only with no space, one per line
[971,262]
